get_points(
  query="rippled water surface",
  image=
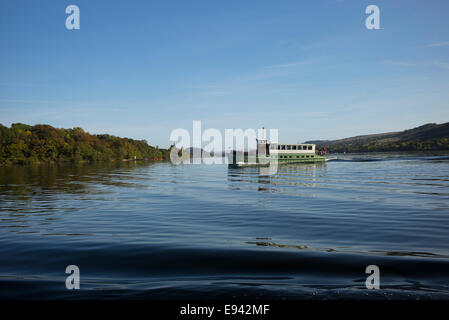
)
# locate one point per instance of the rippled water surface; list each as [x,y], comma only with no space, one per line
[157,231]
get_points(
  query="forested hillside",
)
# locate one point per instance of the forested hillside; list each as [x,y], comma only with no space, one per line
[429,137]
[24,144]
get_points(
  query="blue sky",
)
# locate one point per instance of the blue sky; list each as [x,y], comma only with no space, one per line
[143,68]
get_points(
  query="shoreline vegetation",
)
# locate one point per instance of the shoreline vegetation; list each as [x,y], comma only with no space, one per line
[24,144]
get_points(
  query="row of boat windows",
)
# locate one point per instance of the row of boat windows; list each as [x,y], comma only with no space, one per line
[294,157]
[293,147]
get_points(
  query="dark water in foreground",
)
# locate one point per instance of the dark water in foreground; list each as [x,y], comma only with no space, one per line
[158,231]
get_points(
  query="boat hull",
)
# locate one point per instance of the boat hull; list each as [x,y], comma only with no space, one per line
[280,159]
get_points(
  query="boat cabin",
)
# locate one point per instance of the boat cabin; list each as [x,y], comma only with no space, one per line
[265,148]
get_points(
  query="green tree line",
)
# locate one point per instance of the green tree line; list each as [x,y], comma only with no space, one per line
[24,144]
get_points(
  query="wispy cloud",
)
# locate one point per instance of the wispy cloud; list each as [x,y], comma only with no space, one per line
[438,44]
[207,86]
[289,65]
[441,64]
[400,63]
[241,82]
[30,101]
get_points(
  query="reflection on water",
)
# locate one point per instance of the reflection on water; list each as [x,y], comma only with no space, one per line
[155,230]
[304,175]
[31,195]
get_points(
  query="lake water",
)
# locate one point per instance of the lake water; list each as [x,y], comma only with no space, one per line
[159,231]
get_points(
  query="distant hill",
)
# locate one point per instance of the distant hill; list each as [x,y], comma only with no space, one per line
[430,136]
[24,144]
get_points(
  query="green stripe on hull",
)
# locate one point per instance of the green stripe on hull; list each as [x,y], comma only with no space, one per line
[281,159]
[299,158]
